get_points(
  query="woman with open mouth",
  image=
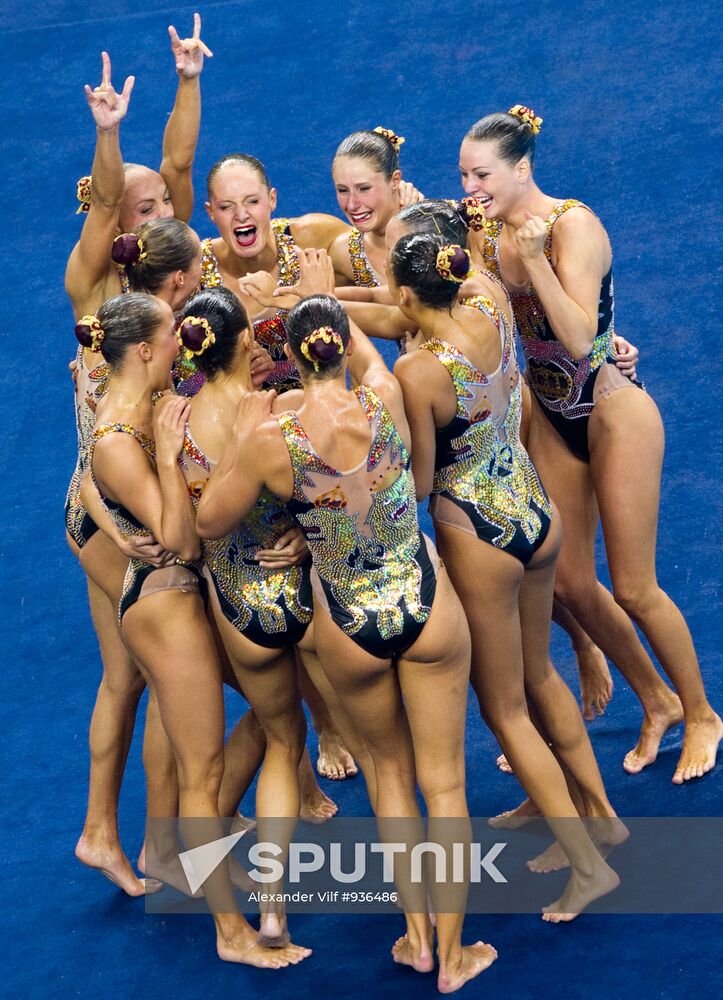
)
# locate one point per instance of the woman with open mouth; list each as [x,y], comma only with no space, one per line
[587,431]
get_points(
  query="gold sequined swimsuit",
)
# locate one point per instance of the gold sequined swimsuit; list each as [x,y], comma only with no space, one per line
[270,607]
[142,579]
[271,332]
[363,273]
[566,389]
[374,572]
[90,387]
[484,481]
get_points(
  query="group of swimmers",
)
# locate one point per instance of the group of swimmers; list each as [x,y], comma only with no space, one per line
[244,503]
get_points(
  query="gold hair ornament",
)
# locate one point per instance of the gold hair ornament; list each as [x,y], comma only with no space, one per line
[527,116]
[328,336]
[444,262]
[396,140]
[93,330]
[82,193]
[209,338]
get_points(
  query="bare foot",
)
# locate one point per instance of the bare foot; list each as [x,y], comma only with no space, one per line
[112,862]
[580,891]
[418,957]
[504,765]
[273,931]
[475,958]
[606,832]
[512,819]
[317,807]
[700,746]
[167,868]
[655,725]
[596,683]
[243,948]
[334,759]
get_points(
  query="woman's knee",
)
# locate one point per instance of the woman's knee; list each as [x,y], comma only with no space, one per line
[123,686]
[636,597]
[200,772]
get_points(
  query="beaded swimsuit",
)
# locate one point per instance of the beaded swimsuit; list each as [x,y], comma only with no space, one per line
[270,607]
[373,571]
[484,480]
[565,388]
[363,273]
[270,332]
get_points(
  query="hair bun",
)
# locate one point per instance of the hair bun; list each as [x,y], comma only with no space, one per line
[82,193]
[396,140]
[195,333]
[322,346]
[453,263]
[128,249]
[472,213]
[89,332]
[527,116]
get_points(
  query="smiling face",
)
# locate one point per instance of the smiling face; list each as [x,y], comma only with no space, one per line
[496,182]
[241,205]
[365,195]
[145,197]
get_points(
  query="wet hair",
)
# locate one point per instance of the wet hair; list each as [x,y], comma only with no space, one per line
[413,261]
[443,218]
[127,320]
[227,319]
[312,314]
[371,146]
[514,136]
[159,248]
[247,160]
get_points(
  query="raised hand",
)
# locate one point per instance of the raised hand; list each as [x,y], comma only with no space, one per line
[261,365]
[260,286]
[170,415]
[316,278]
[189,52]
[530,237]
[408,194]
[106,106]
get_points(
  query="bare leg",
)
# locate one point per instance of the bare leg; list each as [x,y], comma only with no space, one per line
[334,760]
[488,582]
[567,480]
[596,683]
[629,511]
[170,635]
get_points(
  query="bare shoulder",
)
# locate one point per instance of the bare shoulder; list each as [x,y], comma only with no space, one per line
[420,371]
[577,224]
[290,400]
[316,230]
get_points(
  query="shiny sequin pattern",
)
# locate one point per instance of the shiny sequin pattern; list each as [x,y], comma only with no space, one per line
[270,332]
[272,607]
[362,529]
[481,465]
[362,271]
[562,385]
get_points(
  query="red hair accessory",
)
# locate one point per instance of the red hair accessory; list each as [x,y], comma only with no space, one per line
[82,193]
[396,140]
[472,212]
[527,116]
[195,334]
[128,249]
[89,332]
[321,346]
[453,263]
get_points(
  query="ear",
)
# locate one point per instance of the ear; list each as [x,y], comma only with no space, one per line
[395,179]
[350,346]
[179,279]
[288,352]
[207,206]
[272,199]
[523,170]
[145,351]
[405,296]
[247,339]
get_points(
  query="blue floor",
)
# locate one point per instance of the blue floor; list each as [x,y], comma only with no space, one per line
[628,94]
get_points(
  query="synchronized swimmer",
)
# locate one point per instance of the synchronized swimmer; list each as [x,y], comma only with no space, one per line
[244,506]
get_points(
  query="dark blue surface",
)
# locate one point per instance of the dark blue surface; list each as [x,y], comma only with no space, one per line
[628,94]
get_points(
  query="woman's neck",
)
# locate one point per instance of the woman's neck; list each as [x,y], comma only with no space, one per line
[131,394]
[238,267]
[533,202]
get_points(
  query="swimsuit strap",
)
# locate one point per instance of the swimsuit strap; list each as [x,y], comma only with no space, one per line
[287,261]
[484,305]
[210,271]
[460,369]
[560,208]
[190,450]
[363,272]
[146,443]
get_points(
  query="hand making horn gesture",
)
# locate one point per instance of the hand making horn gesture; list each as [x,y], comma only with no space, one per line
[530,237]
[189,52]
[108,107]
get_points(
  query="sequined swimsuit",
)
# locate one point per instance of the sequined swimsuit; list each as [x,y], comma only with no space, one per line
[374,572]
[142,579]
[271,332]
[270,607]
[90,387]
[363,273]
[484,481]
[567,390]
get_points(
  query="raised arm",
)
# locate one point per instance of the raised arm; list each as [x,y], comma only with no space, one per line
[235,485]
[317,231]
[89,263]
[384,321]
[181,135]
[570,294]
